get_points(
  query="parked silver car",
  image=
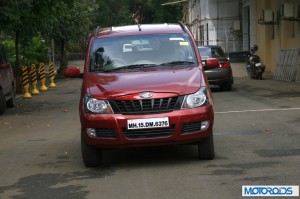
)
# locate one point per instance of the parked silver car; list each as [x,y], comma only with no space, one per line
[7,83]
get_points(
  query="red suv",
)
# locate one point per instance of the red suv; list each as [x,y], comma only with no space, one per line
[144,87]
[7,83]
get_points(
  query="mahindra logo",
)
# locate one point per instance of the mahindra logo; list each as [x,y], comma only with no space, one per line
[146,95]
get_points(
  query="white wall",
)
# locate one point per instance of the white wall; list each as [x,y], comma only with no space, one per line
[219,15]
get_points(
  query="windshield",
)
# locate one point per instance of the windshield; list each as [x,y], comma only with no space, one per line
[211,52]
[141,51]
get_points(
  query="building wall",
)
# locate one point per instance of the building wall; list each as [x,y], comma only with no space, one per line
[212,22]
[194,18]
[286,34]
[249,24]
[218,18]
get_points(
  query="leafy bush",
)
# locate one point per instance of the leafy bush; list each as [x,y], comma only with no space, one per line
[10,46]
[74,48]
[34,53]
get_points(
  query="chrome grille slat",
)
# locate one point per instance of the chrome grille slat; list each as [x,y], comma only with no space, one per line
[144,106]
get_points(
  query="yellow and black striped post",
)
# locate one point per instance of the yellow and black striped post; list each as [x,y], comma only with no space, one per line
[25,82]
[51,75]
[35,91]
[42,77]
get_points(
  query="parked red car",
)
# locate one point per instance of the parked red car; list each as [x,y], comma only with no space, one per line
[144,87]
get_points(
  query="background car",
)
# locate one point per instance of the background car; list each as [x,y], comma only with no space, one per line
[7,85]
[217,74]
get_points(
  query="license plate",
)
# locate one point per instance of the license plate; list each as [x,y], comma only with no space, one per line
[148,123]
[258,64]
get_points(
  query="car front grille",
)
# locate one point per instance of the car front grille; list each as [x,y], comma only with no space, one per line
[146,106]
[149,133]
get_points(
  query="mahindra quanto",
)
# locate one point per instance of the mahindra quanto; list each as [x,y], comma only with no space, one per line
[144,86]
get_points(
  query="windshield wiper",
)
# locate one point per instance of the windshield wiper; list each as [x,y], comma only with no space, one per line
[133,66]
[174,63]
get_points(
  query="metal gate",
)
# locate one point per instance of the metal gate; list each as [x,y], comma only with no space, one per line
[288,65]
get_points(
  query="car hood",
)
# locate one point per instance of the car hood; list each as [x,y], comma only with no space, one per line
[177,81]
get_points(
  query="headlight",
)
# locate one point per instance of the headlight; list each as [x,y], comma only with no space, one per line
[195,100]
[94,105]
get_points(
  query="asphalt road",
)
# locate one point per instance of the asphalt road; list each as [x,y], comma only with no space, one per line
[257,142]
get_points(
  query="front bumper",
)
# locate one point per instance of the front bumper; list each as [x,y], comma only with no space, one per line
[112,129]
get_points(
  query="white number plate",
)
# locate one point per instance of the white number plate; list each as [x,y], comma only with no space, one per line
[148,123]
[258,64]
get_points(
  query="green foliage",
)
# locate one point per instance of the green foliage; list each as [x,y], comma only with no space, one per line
[13,14]
[10,46]
[152,12]
[72,20]
[75,19]
[74,47]
[34,53]
[114,12]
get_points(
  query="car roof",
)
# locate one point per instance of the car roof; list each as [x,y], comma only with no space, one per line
[139,30]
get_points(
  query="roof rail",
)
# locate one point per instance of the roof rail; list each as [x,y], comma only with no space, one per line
[96,31]
[182,26]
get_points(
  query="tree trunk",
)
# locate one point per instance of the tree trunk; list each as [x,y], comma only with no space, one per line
[63,58]
[18,68]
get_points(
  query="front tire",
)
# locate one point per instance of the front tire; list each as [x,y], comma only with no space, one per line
[206,148]
[91,155]
[256,73]
[260,76]
[2,102]
[12,101]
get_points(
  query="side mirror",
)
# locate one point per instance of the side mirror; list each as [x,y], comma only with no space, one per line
[73,72]
[4,66]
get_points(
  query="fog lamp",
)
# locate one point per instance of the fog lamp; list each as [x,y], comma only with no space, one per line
[204,125]
[91,132]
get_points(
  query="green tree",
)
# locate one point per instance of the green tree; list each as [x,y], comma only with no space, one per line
[165,14]
[152,12]
[114,12]
[62,20]
[36,51]
[70,22]
[73,20]
[14,16]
